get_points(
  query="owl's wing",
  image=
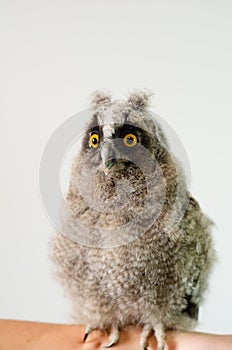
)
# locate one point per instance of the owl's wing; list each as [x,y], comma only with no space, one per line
[203,261]
[192,309]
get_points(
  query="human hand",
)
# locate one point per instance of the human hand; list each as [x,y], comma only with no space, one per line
[22,335]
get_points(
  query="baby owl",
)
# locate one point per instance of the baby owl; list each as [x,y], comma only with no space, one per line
[138,249]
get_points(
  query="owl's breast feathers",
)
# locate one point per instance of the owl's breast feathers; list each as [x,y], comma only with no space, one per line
[161,273]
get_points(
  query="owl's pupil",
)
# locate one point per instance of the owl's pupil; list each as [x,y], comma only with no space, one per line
[94,140]
[130,140]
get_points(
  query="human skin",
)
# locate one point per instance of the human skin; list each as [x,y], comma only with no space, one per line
[23,335]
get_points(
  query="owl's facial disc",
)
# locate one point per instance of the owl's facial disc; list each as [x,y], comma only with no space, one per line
[116,143]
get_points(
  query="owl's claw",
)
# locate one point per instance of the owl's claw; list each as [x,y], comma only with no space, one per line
[108,345]
[114,337]
[88,330]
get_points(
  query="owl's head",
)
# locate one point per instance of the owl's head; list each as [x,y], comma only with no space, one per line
[121,133]
[124,174]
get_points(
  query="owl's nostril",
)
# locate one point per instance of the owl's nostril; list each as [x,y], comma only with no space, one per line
[110,162]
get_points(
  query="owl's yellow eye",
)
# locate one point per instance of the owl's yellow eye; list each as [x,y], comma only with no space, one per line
[130,140]
[94,140]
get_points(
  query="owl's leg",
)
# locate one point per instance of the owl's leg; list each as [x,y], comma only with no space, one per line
[144,336]
[160,335]
[114,337]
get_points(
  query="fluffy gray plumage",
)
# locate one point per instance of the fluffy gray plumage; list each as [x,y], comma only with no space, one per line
[154,277]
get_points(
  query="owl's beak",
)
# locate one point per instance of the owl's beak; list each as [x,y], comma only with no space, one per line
[108,157]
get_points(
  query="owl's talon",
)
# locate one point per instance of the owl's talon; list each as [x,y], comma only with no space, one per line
[88,330]
[114,338]
[108,345]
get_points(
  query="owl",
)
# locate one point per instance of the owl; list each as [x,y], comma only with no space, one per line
[136,248]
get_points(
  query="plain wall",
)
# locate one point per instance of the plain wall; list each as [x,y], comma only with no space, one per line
[53,54]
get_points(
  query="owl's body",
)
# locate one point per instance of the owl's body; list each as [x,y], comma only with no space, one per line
[144,274]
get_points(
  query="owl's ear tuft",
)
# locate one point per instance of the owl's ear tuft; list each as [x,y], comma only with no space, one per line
[100,98]
[140,98]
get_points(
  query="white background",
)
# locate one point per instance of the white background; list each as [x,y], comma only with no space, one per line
[53,54]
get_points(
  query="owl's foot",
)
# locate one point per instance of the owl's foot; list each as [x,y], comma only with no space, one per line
[159,334]
[114,337]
